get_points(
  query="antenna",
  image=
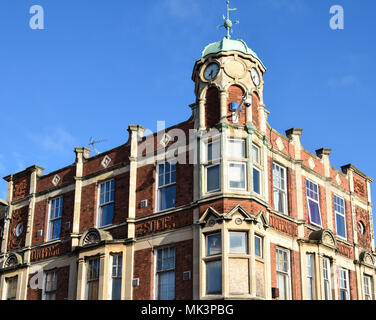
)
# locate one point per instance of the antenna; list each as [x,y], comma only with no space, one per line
[92,143]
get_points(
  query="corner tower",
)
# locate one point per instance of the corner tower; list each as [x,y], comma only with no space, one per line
[227,71]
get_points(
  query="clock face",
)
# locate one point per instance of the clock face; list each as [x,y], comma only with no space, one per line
[255,77]
[19,229]
[211,71]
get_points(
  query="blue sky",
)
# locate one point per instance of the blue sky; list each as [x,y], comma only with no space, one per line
[100,65]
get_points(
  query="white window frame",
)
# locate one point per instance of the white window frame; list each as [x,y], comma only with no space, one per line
[341,214]
[244,148]
[87,275]
[156,272]
[213,258]
[44,292]
[159,188]
[260,180]
[100,205]
[246,250]
[206,178]
[314,200]
[327,277]
[261,256]
[367,286]
[310,259]
[244,165]
[284,273]
[51,221]
[258,160]
[284,192]
[13,278]
[345,273]
[111,276]
[213,162]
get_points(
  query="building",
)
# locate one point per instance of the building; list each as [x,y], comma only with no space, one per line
[221,206]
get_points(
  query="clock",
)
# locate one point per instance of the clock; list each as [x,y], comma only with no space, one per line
[19,229]
[211,71]
[255,77]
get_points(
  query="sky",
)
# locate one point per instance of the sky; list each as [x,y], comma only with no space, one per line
[100,65]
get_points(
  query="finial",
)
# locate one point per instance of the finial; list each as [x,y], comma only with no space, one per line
[227,22]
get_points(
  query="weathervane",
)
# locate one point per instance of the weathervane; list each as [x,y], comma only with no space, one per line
[227,22]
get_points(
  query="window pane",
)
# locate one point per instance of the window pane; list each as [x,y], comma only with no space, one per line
[107,214]
[236,148]
[56,227]
[214,277]
[213,150]
[258,246]
[255,154]
[238,242]
[116,288]
[167,197]
[214,244]
[256,181]
[314,212]
[237,175]
[340,223]
[166,285]
[212,178]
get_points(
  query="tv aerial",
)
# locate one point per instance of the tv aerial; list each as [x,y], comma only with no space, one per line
[92,142]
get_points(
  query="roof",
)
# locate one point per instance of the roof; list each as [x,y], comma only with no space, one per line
[228,45]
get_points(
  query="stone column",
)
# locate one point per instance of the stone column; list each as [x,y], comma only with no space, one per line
[4,243]
[201,103]
[324,154]
[334,275]
[81,155]
[81,275]
[294,136]
[103,272]
[135,133]
[35,171]
[223,105]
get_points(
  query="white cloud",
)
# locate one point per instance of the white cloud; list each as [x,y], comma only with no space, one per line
[54,139]
[344,82]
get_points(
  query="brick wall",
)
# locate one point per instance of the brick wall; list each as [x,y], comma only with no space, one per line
[143,269]
[212,108]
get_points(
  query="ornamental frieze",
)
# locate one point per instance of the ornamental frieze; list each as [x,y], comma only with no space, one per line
[53,250]
[345,250]
[164,223]
[360,187]
[18,225]
[20,189]
[282,225]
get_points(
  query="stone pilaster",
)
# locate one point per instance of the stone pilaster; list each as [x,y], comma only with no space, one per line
[324,154]
[81,155]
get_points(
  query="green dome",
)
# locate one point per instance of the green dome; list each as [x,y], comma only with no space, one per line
[228,45]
